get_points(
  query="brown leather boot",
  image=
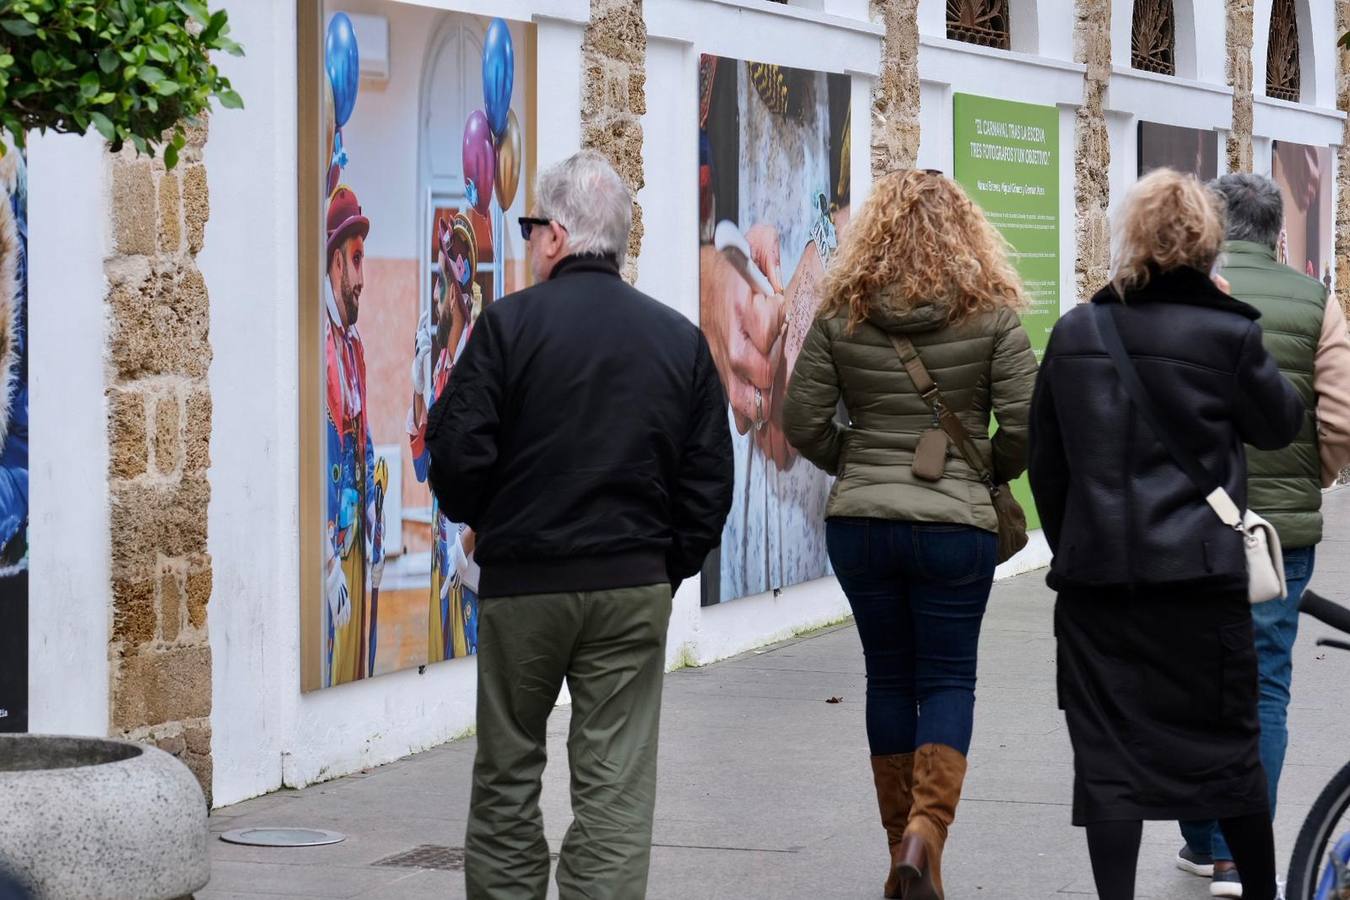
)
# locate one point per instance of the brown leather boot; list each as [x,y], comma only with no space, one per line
[894,779]
[939,772]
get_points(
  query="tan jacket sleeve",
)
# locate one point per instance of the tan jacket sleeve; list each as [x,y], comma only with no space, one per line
[1331,382]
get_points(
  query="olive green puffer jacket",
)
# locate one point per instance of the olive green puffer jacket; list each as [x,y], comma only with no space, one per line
[982,366]
[1284,486]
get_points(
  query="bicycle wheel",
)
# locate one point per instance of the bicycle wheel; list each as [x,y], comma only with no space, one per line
[1327,822]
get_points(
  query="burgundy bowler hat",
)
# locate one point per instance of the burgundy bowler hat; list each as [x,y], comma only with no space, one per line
[344,218]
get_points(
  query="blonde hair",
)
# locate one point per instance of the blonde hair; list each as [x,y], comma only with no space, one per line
[1168,221]
[919,239]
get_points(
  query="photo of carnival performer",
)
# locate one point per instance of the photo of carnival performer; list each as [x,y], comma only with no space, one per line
[443,330]
[354,549]
[774,193]
[14,595]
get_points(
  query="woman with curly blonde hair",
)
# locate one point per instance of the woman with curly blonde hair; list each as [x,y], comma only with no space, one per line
[911,529]
[1144,401]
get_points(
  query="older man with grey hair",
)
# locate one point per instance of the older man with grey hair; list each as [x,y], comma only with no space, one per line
[1305,330]
[583,436]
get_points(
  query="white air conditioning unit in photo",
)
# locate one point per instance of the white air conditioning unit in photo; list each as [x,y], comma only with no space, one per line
[372,40]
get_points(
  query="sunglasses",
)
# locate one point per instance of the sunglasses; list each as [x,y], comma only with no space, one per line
[528,224]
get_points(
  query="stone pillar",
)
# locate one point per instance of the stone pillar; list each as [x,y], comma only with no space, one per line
[895,100]
[159,430]
[1092,147]
[1241,23]
[614,98]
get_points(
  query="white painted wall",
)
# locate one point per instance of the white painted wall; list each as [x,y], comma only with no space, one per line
[253,616]
[70,596]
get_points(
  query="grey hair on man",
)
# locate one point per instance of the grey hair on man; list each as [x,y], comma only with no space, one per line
[587,197]
[1254,206]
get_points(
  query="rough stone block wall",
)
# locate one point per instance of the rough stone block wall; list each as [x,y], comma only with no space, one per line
[614,98]
[895,100]
[159,431]
[1092,147]
[1241,24]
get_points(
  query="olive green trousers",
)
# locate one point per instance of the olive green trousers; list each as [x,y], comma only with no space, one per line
[609,646]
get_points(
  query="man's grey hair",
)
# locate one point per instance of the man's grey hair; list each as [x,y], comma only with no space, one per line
[1254,206]
[585,195]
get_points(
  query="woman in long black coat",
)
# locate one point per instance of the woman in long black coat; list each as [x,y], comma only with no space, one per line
[1157,669]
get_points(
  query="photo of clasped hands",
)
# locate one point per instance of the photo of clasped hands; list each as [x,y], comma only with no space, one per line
[746,332]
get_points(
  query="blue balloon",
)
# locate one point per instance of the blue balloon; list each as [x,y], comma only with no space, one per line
[343,63]
[499,75]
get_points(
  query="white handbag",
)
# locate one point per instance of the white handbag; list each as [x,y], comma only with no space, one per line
[1265,558]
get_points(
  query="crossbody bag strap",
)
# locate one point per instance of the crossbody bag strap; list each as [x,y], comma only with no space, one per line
[951,424]
[1215,495]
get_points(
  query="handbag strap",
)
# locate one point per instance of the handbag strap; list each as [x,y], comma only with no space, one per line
[1215,494]
[948,420]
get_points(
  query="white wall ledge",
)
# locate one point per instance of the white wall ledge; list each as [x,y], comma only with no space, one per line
[517,10]
[1168,100]
[763,8]
[1303,109]
[1014,56]
[768,33]
[1284,121]
[1020,77]
[1127,72]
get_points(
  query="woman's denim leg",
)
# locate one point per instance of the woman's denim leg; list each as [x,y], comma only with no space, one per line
[862,553]
[951,572]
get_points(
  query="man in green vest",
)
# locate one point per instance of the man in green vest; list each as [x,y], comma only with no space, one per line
[1305,330]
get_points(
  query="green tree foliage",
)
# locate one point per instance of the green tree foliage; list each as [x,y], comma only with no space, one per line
[135,70]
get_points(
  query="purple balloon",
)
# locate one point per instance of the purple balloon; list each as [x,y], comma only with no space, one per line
[480,161]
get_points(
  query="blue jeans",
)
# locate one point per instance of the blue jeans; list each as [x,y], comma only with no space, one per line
[1276,627]
[918,594]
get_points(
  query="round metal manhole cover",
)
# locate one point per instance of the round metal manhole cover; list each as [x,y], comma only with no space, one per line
[283,837]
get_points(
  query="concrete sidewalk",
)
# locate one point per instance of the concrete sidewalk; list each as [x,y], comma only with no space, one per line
[765,789]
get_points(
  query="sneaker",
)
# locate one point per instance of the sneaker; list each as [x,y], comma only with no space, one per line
[1201,864]
[1226,883]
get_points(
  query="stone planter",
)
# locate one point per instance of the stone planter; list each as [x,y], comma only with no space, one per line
[89,819]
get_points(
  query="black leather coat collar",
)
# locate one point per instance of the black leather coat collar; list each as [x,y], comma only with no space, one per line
[1184,285]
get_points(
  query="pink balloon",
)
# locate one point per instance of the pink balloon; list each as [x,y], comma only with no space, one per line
[480,161]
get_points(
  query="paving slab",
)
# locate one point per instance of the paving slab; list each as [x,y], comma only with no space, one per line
[765,789]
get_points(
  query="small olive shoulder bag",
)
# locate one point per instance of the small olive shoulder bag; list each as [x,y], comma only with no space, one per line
[1012,520]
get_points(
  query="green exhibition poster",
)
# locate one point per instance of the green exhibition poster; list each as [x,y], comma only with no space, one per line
[1007,159]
